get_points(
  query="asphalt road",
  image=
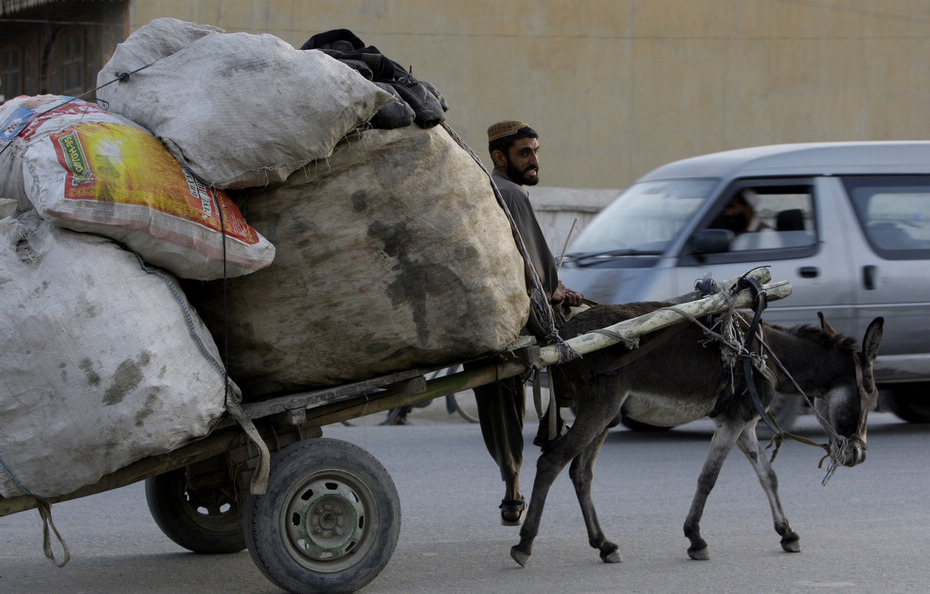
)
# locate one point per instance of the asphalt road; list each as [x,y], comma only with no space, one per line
[865,531]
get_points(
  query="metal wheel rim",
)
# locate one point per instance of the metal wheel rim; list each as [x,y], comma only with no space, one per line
[212,501]
[328,521]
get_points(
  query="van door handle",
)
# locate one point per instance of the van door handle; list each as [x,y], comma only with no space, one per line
[870,277]
[808,272]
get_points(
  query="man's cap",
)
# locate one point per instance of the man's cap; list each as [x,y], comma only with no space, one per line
[504,129]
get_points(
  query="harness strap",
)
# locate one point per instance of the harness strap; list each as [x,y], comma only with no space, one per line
[45,512]
[537,394]
[552,408]
[638,352]
[745,356]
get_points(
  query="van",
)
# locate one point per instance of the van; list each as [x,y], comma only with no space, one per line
[846,223]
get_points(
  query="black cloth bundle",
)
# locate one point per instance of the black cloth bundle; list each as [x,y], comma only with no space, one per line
[418,101]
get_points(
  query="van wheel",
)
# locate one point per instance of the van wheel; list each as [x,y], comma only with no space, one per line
[785,409]
[910,402]
[635,425]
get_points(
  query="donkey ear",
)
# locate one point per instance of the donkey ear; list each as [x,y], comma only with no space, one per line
[825,325]
[873,337]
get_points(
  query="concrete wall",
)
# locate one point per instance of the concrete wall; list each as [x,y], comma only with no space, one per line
[618,87]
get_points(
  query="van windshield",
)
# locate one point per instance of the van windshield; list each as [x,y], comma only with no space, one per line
[643,219]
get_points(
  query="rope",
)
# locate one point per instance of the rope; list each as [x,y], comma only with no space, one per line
[260,478]
[259,483]
[120,77]
[45,512]
[188,319]
[731,342]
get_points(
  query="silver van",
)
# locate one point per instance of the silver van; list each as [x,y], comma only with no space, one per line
[848,224]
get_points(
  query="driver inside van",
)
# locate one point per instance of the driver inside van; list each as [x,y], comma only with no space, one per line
[739,215]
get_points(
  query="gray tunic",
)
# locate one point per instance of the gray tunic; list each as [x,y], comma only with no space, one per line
[518,201]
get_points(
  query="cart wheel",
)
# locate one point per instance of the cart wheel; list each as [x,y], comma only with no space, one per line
[205,521]
[329,520]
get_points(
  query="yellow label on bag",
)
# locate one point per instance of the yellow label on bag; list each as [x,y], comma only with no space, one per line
[74,159]
[117,164]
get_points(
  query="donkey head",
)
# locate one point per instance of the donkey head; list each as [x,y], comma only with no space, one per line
[844,410]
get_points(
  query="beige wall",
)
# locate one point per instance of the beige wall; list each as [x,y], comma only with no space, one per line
[617,87]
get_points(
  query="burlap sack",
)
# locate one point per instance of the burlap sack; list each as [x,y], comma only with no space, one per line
[237,109]
[102,363]
[393,253]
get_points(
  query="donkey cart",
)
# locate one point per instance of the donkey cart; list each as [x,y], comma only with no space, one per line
[319,514]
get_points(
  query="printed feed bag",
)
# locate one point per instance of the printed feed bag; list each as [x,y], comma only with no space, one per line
[119,181]
[27,119]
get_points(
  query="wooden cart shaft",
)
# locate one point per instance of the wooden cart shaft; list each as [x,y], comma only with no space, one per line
[309,411]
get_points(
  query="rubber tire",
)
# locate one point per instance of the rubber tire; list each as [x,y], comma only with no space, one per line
[195,520]
[910,403]
[322,480]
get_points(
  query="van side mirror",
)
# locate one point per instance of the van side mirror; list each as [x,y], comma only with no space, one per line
[710,241]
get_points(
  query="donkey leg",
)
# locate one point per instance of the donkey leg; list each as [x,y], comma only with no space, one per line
[582,475]
[749,444]
[725,435]
[548,467]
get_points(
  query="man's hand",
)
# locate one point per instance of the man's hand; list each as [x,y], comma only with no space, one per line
[563,293]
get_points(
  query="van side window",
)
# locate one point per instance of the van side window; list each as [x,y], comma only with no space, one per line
[894,212]
[768,218]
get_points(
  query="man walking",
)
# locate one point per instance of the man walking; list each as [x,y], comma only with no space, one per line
[514,148]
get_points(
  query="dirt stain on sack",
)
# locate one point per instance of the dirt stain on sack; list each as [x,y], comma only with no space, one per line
[415,280]
[150,404]
[87,366]
[126,378]
[359,201]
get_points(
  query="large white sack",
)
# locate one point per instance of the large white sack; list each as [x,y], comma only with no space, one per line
[238,109]
[101,363]
[392,254]
[26,119]
[121,182]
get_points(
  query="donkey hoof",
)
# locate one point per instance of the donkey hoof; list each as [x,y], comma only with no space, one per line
[519,556]
[699,553]
[791,543]
[613,557]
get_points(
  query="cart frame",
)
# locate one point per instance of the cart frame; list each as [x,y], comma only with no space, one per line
[228,459]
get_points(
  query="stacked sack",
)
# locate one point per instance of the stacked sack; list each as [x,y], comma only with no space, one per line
[239,110]
[391,248]
[392,254]
[103,360]
[95,171]
[367,250]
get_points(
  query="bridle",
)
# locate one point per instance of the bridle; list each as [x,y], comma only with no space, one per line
[749,365]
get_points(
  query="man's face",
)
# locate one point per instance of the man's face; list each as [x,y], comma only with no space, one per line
[522,162]
[737,215]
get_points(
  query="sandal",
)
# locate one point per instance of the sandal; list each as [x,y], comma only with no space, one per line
[512,511]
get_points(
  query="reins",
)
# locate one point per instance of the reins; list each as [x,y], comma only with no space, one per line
[745,357]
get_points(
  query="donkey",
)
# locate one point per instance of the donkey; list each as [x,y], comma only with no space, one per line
[683,378]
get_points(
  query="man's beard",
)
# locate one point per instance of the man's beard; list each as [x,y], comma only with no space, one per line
[519,177]
[738,223]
